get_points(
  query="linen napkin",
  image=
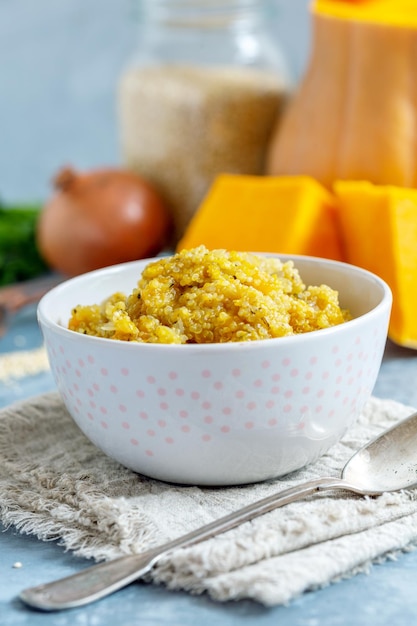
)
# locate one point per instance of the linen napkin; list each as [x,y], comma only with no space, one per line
[55,484]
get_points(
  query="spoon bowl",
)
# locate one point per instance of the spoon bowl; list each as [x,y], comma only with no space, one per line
[386,463]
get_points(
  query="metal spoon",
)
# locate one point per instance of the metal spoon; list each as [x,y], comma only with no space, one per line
[387,463]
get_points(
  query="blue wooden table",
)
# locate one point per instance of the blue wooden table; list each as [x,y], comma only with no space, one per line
[385,596]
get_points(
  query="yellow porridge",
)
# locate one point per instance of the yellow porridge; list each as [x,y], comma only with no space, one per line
[212,296]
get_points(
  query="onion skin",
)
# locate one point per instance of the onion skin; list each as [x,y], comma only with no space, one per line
[101,218]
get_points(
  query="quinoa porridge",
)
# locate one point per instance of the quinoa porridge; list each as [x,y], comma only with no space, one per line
[212,296]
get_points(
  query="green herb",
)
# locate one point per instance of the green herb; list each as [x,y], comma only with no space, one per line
[19,255]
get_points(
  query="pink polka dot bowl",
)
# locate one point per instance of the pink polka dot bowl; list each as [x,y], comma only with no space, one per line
[218,414]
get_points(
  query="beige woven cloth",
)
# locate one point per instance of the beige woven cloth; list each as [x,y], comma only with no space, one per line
[55,484]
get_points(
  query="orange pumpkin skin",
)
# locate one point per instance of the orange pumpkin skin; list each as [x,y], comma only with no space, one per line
[354,115]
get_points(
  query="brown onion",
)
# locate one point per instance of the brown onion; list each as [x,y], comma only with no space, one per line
[101,218]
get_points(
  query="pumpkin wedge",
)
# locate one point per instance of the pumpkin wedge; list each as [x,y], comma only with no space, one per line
[354,114]
[292,214]
[379,225]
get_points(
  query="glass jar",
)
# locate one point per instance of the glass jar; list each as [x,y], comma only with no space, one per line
[200,97]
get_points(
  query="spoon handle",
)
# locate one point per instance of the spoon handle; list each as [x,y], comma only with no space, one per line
[18,295]
[100,580]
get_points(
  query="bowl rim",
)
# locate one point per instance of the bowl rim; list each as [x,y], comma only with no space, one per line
[45,321]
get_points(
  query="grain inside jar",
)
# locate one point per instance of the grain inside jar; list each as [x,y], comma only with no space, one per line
[182,125]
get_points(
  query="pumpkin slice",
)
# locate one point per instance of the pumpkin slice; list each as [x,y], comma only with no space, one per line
[292,214]
[379,225]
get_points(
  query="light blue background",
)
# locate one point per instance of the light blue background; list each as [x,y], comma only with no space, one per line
[59,65]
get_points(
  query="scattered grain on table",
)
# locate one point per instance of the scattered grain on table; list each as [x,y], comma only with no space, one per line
[15,365]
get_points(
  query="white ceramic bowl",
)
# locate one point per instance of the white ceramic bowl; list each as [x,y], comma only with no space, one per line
[218,414]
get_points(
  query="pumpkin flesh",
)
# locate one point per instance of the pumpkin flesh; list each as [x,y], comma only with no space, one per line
[354,115]
[294,215]
[379,225]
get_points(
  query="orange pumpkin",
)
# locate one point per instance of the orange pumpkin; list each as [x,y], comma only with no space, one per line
[379,226]
[283,214]
[354,115]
